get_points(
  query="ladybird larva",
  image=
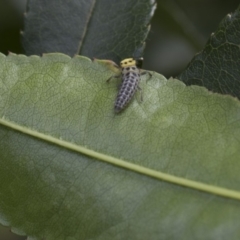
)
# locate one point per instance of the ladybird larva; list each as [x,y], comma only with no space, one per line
[131,75]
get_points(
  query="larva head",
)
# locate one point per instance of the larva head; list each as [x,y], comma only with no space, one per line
[128,62]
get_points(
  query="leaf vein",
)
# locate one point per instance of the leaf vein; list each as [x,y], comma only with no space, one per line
[211,189]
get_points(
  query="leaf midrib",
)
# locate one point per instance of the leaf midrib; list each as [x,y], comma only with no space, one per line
[223,192]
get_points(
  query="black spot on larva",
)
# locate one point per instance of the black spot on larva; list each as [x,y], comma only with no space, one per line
[127,68]
[125,62]
[134,74]
[133,68]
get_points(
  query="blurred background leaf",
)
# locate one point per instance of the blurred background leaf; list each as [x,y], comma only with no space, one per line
[11,22]
[103,29]
[179,29]
[216,67]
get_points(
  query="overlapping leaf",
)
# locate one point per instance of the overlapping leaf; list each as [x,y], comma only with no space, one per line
[217,66]
[101,29]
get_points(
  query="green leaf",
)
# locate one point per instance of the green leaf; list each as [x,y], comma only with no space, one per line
[72,169]
[102,29]
[217,66]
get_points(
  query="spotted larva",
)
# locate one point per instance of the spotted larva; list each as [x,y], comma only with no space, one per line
[131,75]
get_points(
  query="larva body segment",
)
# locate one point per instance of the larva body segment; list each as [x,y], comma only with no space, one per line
[130,81]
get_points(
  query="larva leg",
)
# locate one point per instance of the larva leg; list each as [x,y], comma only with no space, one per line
[114,76]
[145,72]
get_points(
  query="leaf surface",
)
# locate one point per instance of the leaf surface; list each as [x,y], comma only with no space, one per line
[72,169]
[101,29]
[217,66]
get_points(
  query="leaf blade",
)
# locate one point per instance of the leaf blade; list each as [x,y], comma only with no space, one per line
[126,165]
[63,194]
[47,25]
[101,29]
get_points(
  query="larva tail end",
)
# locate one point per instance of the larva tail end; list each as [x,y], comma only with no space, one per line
[117,109]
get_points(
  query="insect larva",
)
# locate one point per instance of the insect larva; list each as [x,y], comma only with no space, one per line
[131,75]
